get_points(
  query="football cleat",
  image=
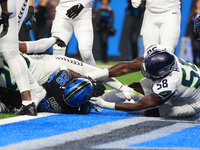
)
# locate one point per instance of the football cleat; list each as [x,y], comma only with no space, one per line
[27,110]
[3,108]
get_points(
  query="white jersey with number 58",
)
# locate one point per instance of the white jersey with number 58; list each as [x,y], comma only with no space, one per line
[183,84]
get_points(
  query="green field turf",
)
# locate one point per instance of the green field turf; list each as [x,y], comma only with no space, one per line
[127,79]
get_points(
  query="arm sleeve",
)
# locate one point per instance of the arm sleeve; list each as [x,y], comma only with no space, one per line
[86,2]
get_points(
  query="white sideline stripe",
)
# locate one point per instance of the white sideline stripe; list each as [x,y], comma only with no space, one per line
[76,135]
[23,118]
[125,143]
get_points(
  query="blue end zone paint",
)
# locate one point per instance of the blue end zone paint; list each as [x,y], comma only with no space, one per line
[187,138]
[54,125]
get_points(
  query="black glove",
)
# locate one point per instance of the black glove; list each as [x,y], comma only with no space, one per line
[60,42]
[5,23]
[30,17]
[74,11]
[99,88]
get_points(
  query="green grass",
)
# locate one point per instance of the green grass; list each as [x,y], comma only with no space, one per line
[6,115]
[126,79]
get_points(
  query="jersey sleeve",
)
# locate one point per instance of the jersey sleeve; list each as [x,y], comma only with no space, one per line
[165,89]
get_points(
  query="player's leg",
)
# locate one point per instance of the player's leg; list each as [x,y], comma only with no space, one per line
[61,28]
[10,51]
[83,31]
[149,30]
[22,9]
[170,29]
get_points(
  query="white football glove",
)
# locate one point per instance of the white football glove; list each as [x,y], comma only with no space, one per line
[136,3]
[98,101]
[130,94]
[98,75]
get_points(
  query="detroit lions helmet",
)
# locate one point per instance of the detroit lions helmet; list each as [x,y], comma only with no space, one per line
[78,91]
[158,65]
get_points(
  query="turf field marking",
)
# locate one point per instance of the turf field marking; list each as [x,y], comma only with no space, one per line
[23,118]
[125,143]
[76,135]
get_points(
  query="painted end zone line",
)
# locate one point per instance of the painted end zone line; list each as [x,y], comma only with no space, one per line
[23,118]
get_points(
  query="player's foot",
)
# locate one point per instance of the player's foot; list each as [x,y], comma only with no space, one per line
[38,94]
[3,108]
[27,110]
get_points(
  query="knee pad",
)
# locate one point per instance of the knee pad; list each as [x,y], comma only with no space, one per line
[86,55]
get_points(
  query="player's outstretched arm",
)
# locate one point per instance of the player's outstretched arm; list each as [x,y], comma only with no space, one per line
[147,101]
[36,46]
[125,67]
[119,69]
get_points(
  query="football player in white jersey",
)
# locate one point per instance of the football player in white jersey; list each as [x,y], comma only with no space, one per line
[173,90]
[42,66]
[161,22]
[74,16]
[10,52]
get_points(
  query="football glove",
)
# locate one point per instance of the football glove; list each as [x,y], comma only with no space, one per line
[98,101]
[74,11]
[99,88]
[30,18]
[60,42]
[130,94]
[4,21]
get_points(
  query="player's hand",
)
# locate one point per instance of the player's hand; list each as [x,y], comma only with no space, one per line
[97,101]
[4,21]
[130,94]
[74,11]
[99,88]
[60,42]
[30,19]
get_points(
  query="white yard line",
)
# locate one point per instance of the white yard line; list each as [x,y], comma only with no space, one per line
[23,118]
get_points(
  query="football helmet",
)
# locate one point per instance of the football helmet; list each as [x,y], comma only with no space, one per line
[152,48]
[158,65]
[78,91]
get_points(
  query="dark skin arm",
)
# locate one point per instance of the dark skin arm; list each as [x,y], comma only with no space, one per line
[147,101]
[74,74]
[126,67]
[4,7]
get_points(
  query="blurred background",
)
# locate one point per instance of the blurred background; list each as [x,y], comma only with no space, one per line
[124,41]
